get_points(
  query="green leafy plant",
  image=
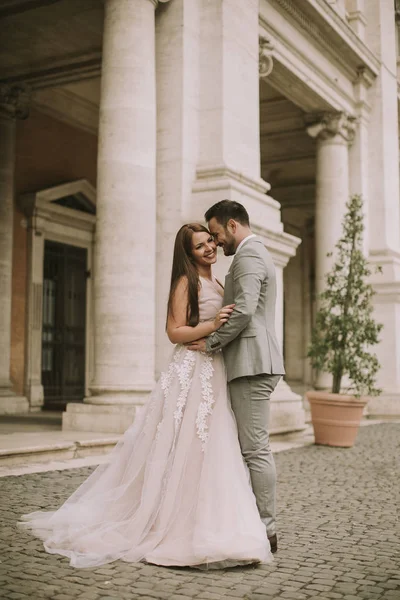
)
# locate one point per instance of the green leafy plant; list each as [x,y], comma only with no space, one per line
[345,328]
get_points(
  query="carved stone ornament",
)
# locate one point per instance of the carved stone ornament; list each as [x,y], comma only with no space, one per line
[328,125]
[14,100]
[365,77]
[265,64]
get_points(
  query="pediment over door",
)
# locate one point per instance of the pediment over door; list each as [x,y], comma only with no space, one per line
[72,204]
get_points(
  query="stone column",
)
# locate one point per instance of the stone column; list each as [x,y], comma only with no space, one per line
[177,80]
[333,133]
[13,105]
[125,246]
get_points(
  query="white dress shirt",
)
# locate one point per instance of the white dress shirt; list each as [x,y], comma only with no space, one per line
[243,241]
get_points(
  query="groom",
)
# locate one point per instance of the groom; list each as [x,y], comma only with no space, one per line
[251,350]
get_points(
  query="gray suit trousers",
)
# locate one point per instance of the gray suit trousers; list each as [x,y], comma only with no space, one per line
[250,398]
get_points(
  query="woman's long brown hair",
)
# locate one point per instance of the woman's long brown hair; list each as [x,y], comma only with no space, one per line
[183,264]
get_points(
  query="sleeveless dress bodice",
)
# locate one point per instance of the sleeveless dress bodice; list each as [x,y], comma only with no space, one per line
[210,299]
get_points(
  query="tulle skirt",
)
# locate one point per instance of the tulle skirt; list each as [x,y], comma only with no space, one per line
[176,490]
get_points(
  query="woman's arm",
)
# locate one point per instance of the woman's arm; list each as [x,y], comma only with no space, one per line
[177,329]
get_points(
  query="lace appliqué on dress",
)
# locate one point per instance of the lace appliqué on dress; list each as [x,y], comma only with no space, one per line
[205,407]
[184,372]
[166,380]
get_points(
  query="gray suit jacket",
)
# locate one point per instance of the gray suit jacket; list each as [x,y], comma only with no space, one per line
[248,339]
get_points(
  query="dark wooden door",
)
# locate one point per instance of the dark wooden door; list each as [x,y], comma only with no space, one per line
[64,325]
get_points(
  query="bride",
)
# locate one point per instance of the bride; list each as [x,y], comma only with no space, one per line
[176,491]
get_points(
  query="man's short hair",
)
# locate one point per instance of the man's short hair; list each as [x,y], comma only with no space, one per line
[225,210]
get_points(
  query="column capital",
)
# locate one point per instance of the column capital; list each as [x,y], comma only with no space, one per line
[324,126]
[14,100]
[265,52]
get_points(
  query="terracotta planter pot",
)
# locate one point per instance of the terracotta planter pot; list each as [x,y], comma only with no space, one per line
[335,418]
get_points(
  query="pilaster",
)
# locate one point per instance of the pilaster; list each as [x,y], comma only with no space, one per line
[383,130]
[384,202]
[359,149]
[287,410]
[13,105]
[208,138]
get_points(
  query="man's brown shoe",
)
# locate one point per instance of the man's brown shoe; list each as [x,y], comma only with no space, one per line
[273,540]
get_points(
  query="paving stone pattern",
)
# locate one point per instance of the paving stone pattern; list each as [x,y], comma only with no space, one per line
[338,534]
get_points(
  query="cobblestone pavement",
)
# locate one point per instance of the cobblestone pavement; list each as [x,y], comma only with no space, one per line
[338,526]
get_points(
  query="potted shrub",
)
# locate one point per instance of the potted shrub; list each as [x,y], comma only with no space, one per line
[344,333]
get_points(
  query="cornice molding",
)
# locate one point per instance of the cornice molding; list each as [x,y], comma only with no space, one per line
[297,78]
[14,101]
[13,7]
[155,3]
[56,72]
[278,162]
[351,50]
[276,102]
[282,134]
[68,107]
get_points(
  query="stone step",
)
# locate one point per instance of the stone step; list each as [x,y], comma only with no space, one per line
[31,448]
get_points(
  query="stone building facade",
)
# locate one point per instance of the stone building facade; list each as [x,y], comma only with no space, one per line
[120,120]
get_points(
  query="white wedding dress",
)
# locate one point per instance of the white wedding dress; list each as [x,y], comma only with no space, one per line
[176,490]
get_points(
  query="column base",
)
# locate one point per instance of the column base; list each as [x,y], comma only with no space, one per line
[287,414]
[35,395]
[385,406]
[102,418]
[13,405]
[287,411]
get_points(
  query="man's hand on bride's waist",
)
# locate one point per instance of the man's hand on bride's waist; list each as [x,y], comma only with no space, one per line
[197,346]
[223,315]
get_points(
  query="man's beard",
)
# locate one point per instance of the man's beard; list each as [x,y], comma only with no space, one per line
[230,246]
